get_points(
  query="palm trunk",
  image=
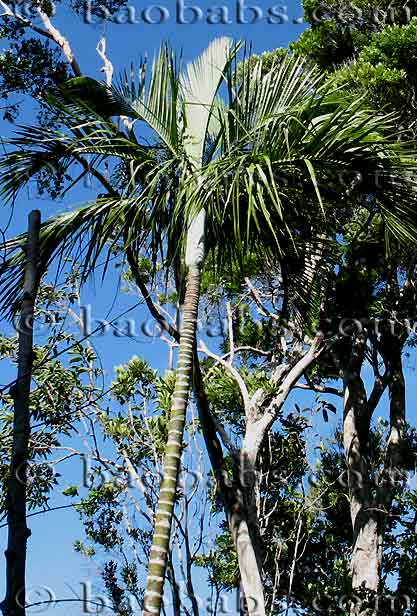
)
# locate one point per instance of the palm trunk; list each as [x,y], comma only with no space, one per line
[18,532]
[163,521]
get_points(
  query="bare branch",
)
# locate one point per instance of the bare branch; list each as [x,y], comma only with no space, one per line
[242,349]
[224,437]
[321,389]
[60,40]
[158,316]
[235,374]
[50,32]
[290,380]
[107,64]
[23,21]
[258,301]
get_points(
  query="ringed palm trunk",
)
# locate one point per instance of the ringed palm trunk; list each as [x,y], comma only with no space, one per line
[160,546]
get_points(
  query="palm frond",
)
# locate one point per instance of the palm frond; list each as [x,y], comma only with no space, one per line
[199,85]
[269,166]
[280,168]
[155,103]
[90,231]
[34,152]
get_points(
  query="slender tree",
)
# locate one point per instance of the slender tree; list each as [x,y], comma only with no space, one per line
[14,603]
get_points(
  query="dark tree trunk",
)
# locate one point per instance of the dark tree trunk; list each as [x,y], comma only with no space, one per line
[18,532]
[371,503]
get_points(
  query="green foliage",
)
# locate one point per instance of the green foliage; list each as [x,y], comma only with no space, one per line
[80,548]
[140,387]
[30,64]
[102,516]
[133,378]
[221,563]
[255,177]
[60,394]
[145,268]
[253,331]
[269,60]
[385,70]
[70,491]
[329,45]
[7,347]
[117,593]
[372,54]
[258,189]
[340,29]
[316,504]
[165,389]
[224,397]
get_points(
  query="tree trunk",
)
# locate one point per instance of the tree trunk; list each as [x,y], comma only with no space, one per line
[236,496]
[394,474]
[371,504]
[367,552]
[163,521]
[247,549]
[18,532]
[175,591]
[247,534]
[366,546]
[397,414]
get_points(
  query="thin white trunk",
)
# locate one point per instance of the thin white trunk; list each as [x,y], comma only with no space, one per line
[248,565]
[367,542]
[248,537]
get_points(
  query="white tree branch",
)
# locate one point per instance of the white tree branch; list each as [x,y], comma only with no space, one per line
[50,32]
[235,374]
[107,64]
[59,39]
[291,379]
[263,310]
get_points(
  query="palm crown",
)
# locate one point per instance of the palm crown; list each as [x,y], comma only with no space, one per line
[264,155]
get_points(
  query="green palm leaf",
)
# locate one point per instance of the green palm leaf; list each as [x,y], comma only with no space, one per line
[156,103]
[199,86]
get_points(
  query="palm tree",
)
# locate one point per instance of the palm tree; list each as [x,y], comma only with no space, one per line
[227,163]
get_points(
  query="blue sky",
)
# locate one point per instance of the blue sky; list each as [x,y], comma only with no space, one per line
[52,561]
